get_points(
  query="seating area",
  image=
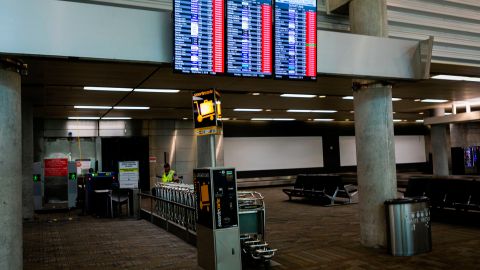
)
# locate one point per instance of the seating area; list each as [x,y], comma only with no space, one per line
[322,187]
[447,192]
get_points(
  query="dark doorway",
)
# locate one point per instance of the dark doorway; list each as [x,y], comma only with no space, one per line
[331,153]
[127,149]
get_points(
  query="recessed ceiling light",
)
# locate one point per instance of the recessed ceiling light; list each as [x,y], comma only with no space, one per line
[298,95]
[447,113]
[117,89]
[311,111]
[185,118]
[348,97]
[131,108]
[83,118]
[323,119]
[256,94]
[432,100]
[456,78]
[419,120]
[420,113]
[396,99]
[92,107]
[224,118]
[165,91]
[417,100]
[273,119]
[397,120]
[352,111]
[116,118]
[323,96]
[247,110]
[268,110]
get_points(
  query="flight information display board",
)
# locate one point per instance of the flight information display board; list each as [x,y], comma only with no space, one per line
[249,38]
[199,27]
[295,39]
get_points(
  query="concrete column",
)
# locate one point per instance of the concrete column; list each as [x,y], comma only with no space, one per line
[205,147]
[11,171]
[440,146]
[376,172]
[27,159]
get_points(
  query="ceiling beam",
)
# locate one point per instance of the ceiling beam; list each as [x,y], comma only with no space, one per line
[453,118]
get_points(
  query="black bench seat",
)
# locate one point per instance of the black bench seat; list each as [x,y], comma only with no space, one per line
[321,186]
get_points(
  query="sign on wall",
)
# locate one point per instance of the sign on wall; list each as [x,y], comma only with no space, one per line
[56,167]
[207,112]
[83,165]
[128,174]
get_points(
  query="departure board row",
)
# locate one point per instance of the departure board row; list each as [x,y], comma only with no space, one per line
[200,27]
[296,39]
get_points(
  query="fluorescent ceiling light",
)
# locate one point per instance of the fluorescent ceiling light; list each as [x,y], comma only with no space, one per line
[432,100]
[322,96]
[419,120]
[456,78]
[224,118]
[166,91]
[348,97]
[397,120]
[323,119]
[131,108]
[273,119]
[83,118]
[116,118]
[417,100]
[447,113]
[396,99]
[96,88]
[248,110]
[185,118]
[92,107]
[311,111]
[255,94]
[298,95]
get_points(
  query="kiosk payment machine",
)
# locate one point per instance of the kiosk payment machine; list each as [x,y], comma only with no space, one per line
[218,235]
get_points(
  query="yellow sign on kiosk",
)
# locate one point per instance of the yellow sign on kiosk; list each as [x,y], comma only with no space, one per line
[207,112]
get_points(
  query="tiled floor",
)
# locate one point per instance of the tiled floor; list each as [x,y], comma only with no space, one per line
[307,236]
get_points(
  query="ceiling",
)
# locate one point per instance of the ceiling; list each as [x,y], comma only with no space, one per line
[55,85]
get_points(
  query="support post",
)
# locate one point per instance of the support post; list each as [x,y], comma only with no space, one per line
[376,171]
[11,239]
[440,146]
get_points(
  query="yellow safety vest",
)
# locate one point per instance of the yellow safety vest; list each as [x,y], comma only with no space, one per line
[168,177]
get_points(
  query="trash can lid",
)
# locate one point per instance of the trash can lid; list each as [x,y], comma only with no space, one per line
[407,200]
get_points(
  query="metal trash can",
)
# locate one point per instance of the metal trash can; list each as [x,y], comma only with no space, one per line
[408,226]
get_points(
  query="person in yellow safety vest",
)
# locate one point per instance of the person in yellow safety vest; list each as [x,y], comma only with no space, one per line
[168,174]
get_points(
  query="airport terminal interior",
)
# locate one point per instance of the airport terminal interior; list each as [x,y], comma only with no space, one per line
[239,134]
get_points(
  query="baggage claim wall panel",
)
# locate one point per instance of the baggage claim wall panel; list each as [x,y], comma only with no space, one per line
[408,149]
[273,153]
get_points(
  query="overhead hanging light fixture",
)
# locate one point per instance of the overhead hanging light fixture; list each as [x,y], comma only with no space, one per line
[298,95]
[131,108]
[115,89]
[164,91]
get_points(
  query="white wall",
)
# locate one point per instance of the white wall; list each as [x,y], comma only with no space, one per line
[408,149]
[269,153]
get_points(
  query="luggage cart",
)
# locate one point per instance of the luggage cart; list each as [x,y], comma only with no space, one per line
[251,212]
